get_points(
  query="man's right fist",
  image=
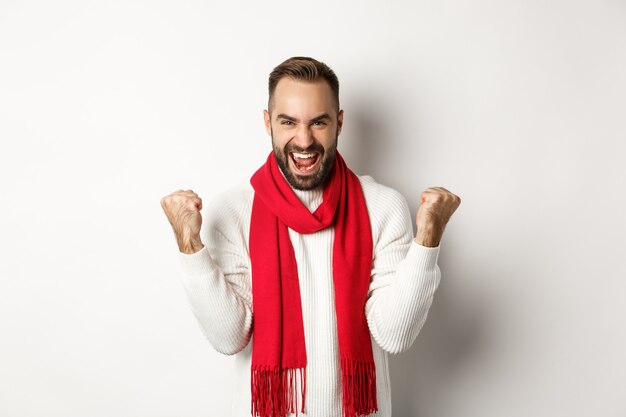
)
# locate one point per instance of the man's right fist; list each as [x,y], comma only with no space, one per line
[182,209]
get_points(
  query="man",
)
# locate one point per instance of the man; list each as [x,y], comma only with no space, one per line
[310,273]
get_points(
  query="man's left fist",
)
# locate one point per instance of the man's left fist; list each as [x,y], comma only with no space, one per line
[437,206]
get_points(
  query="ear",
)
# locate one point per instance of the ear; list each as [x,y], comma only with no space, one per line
[267,120]
[339,121]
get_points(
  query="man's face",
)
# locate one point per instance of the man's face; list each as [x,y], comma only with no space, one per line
[304,125]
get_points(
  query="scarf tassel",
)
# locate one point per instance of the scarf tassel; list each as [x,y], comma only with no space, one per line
[275,391]
[359,388]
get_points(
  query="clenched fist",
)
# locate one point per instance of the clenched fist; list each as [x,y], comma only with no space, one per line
[182,209]
[437,206]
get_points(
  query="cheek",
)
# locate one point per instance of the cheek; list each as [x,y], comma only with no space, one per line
[326,138]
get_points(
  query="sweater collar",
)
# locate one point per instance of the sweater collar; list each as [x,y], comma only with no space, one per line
[310,198]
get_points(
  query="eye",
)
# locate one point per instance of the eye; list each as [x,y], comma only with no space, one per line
[286,122]
[319,123]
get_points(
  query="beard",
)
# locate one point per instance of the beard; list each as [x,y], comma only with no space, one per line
[308,182]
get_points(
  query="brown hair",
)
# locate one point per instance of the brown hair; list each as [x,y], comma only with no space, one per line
[305,69]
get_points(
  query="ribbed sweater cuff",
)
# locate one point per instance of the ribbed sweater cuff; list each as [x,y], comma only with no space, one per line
[424,256]
[197,263]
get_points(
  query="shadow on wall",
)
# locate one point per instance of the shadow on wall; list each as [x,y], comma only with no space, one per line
[367,148]
[453,337]
[455,332]
[374,143]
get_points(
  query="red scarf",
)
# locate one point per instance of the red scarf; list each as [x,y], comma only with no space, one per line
[278,349]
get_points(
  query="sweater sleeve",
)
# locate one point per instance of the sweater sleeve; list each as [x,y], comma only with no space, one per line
[217,278]
[404,277]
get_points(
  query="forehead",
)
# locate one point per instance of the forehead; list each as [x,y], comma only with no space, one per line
[302,97]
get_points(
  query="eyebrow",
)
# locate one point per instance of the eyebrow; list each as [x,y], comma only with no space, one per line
[321,117]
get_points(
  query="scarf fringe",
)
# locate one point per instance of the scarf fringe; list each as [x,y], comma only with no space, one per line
[359,388]
[274,391]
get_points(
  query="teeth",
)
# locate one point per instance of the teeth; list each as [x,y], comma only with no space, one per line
[303,155]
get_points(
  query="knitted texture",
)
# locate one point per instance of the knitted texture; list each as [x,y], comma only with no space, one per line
[218,284]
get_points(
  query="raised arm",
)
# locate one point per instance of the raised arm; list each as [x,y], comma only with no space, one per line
[216,276]
[405,274]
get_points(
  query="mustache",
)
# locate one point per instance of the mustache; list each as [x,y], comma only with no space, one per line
[316,147]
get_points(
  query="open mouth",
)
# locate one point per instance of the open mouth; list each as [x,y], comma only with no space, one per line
[304,163]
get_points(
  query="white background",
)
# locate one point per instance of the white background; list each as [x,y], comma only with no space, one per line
[516,106]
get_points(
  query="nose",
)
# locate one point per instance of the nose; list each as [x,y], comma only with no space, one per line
[303,137]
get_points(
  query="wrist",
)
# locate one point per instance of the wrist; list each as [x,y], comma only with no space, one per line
[190,245]
[429,237]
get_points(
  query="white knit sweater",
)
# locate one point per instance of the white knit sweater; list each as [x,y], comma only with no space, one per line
[404,278]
